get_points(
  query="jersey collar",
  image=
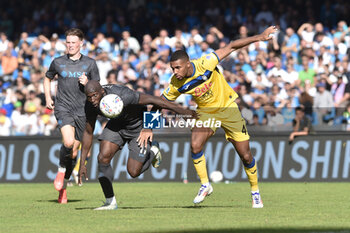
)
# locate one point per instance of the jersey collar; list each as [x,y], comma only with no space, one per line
[194,69]
[81,57]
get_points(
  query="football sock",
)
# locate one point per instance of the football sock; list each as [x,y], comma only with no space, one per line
[149,159]
[105,177]
[61,169]
[70,164]
[111,200]
[65,153]
[251,171]
[200,166]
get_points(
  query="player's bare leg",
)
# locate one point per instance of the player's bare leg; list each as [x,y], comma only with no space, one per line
[67,161]
[198,139]
[105,174]
[134,167]
[140,159]
[74,163]
[243,150]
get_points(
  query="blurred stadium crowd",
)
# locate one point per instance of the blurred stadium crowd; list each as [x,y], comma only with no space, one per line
[306,64]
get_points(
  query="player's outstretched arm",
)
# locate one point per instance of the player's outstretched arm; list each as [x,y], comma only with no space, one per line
[240,43]
[162,103]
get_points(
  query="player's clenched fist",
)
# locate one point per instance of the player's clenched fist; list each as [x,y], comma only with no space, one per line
[83,79]
[50,103]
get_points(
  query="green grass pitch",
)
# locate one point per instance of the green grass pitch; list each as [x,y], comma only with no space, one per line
[167,207]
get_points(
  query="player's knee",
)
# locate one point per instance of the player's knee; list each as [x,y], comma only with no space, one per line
[133,172]
[68,143]
[102,159]
[196,147]
[246,158]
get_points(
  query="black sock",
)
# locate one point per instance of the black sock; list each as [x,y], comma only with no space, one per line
[65,154]
[106,179]
[70,164]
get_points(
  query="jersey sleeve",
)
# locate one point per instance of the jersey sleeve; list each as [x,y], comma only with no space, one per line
[94,74]
[209,61]
[171,93]
[51,72]
[129,96]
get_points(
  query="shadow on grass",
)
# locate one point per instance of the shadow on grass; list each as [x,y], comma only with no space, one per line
[85,208]
[173,207]
[272,230]
[160,207]
[55,200]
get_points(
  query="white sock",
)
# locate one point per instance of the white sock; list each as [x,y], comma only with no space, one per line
[206,184]
[62,169]
[111,200]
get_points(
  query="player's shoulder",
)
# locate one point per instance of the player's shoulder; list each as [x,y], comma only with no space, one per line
[201,60]
[59,59]
[205,62]
[115,88]
[87,58]
[110,87]
[208,57]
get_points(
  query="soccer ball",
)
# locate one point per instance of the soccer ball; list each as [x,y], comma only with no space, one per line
[216,176]
[111,105]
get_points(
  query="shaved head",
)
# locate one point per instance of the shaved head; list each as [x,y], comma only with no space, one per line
[92,86]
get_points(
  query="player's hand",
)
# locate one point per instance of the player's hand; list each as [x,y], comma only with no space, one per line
[50,103]
[268,33]
[82,172]
[83,79]
[145,135]
[191,114]
[291,137]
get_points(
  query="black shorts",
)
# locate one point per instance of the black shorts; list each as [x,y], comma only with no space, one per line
[122,136]
[78,122]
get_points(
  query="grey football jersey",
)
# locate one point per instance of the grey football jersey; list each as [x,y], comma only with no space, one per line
[132,115]
[70,93]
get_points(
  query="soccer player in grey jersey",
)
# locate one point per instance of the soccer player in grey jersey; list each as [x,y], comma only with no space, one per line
[73,70]
[125,128]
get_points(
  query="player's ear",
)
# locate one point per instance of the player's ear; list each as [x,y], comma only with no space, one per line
[188,64]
